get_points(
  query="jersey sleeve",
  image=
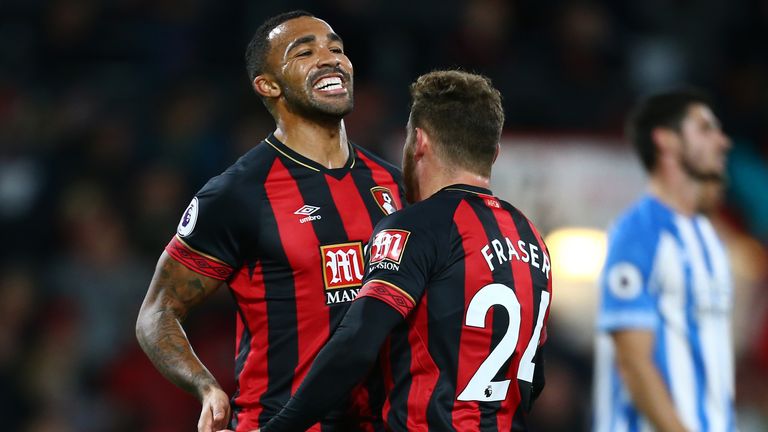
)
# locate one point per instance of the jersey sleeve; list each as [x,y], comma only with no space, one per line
[206,239]
[627,302]
[401,255]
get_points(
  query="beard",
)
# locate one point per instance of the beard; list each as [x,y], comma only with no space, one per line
[694,171]
[302,101]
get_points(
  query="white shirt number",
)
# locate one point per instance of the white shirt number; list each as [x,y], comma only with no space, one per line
[481,386]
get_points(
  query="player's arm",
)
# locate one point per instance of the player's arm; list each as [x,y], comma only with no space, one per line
[173,292]
[341,364]
[634,355]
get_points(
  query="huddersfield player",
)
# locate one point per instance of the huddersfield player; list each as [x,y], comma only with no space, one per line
[284,228]
[461,282]
[664,351]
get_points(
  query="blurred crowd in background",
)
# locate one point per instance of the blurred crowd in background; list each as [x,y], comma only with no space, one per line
[113,113]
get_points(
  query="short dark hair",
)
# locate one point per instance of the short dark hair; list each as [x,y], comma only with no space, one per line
[665,110]
[258,47]
[463,112]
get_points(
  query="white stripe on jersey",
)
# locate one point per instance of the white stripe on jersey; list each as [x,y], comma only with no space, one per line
[603,388]
[722,277]
[670,277]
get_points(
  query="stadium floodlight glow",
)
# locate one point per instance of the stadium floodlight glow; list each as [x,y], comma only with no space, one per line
[577,253]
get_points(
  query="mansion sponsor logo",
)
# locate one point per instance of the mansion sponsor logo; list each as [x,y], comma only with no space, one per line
[387,249]
[341,295]
[385,265]
[342,271]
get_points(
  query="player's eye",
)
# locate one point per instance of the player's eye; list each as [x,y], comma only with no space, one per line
[304,53]
[337,50]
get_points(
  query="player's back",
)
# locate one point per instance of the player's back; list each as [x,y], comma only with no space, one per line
[464,358]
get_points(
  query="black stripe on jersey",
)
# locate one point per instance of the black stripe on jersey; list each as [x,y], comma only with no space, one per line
[538,280]
[519,423]
[400,365]
[444,394]
[242,355]
[282,327]
[364,182]
[501,274]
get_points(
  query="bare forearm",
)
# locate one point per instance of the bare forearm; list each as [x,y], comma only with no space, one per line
[163,339]
[634,355]
[174,290]
[651,396]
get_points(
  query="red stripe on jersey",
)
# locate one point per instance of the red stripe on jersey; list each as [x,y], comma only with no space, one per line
[382,177]
[389,294]
[253,379]
[197,261]
[424,371]
[386,374]
[521,273]
[360,406]
[351,207]
[475,343]
[300,244]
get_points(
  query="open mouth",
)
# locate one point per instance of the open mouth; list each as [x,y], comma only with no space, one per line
[330,84]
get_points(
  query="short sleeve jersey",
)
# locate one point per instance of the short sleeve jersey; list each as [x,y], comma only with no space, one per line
[287,235]
[472,278]
[668,274]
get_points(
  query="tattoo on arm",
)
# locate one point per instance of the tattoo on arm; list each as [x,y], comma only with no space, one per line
[173,292]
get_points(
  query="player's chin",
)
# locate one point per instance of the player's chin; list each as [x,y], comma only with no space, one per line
[339,109]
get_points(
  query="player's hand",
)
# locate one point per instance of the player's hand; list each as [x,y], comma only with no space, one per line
[215,412]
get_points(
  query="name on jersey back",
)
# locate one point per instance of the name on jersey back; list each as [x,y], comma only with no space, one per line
[498,252]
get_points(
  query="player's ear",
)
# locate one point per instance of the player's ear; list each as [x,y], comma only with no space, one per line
[666,140]
[496,153]
[422,143]
[265,86]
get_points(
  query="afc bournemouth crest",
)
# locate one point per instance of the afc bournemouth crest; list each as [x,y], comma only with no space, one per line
[385,200]
[342,271]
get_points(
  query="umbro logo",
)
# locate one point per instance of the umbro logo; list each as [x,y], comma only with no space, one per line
[307,210]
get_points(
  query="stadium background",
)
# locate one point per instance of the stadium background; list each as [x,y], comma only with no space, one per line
[113,113]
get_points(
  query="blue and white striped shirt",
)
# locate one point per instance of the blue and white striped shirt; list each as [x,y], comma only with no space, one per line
[669,274]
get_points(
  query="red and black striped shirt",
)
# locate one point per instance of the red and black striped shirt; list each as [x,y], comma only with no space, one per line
[471,277]
[287,235]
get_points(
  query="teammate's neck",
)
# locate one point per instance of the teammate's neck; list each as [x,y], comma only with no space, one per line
[677,190]
[429,185]
[324,143]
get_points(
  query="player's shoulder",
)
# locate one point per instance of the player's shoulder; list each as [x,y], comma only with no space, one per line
[371,158]
[247,172]
[645,217]
[517,214]
[521,219]
[431,214]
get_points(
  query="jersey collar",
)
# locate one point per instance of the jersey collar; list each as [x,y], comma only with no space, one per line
[468,189]
[309,163]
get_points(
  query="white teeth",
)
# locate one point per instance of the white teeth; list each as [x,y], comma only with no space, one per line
[330,83]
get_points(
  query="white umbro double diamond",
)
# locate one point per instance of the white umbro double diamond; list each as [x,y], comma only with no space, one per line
[306,210]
